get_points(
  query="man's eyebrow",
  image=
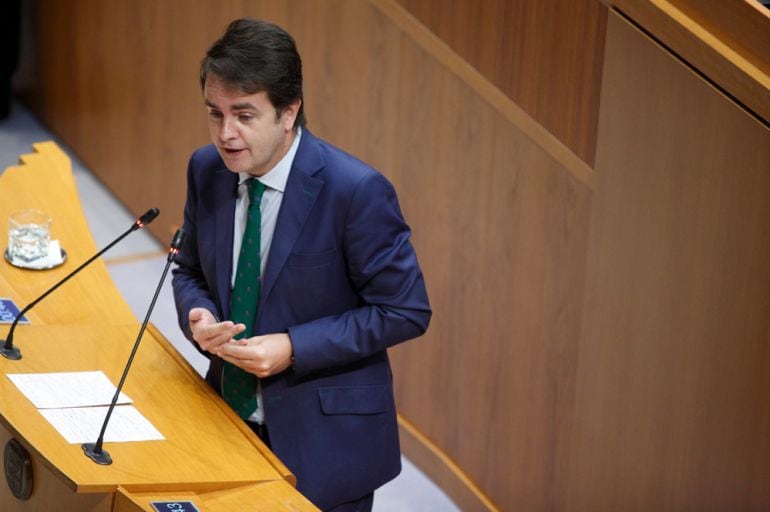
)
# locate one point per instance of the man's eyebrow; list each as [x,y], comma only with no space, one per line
[237,106]
[243,106]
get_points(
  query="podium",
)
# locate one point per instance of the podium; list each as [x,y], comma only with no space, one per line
[209,456]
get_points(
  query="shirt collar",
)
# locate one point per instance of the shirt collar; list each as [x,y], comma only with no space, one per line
[277,177]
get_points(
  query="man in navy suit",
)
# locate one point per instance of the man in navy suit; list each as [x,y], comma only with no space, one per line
[338,280]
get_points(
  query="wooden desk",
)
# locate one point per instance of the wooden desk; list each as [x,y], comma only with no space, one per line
[44,181]
[208,456]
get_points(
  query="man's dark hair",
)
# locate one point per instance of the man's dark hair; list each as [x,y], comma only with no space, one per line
[257,56]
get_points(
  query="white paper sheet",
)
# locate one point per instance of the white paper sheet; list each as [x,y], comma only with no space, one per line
[67,389]
[82,424]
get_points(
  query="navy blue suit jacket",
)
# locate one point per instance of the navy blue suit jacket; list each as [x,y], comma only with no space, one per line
[343,280]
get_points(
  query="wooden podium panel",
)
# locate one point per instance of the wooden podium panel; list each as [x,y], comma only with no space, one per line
[207,453]
[272,496]
[50,492]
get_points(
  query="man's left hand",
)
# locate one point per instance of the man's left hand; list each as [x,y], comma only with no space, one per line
[261,355]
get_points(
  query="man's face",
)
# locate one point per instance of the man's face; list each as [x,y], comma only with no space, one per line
[244,128]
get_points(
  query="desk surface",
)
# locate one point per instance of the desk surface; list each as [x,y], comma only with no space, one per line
[44,181]
[204,449]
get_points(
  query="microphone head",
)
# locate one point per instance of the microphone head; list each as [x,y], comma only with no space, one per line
[146,218]
[176,244]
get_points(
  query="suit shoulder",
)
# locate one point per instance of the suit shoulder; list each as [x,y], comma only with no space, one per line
[344,168]
[206,158]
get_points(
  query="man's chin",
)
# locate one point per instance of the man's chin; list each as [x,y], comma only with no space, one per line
[234,163]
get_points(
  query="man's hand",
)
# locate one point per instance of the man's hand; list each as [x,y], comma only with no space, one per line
[261,355]
[210,334]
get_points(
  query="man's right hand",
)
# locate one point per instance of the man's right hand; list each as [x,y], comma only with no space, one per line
[209,333]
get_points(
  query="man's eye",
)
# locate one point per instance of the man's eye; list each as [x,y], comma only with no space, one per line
[213,114]
[245,118]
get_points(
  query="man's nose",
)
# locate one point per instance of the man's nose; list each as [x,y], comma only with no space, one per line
[227,129]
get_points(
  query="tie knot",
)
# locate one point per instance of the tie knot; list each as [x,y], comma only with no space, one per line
[256,189]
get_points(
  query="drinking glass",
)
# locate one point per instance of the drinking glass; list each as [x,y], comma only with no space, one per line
[29,232]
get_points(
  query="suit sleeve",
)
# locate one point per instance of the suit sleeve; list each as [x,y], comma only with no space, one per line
[383,268]
[188,282]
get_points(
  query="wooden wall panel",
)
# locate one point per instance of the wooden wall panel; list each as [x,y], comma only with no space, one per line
[672,396]
[725,41]
[501,233]
[741,25]
[117,82]
[545,55]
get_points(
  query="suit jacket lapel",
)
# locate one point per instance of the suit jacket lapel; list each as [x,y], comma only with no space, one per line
[299,197]
[224,227]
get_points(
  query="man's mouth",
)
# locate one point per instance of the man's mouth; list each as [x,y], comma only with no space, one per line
[232,152]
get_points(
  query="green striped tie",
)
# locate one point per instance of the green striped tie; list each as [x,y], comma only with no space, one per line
[239,387]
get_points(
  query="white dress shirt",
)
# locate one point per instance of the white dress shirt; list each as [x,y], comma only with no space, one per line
[275,184]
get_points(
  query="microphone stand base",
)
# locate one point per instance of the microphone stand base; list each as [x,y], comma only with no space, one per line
[103,457]
[10,353]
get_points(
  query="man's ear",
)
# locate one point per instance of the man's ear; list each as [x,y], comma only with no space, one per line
[290,113]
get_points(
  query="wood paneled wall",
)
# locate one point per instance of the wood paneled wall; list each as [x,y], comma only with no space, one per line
[597,342]
[672,408]
[117,82]
[727,42]
[742,25]
[501,229]
[545,55]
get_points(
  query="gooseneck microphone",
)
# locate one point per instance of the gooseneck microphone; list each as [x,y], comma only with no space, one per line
[94,451]
[11,352]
